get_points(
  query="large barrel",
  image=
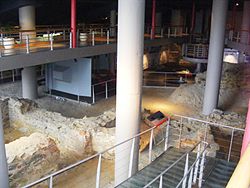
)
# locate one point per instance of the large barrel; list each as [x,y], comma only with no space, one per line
[8,43]
[83,37]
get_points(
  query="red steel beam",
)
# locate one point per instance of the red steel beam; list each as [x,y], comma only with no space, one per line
[153,19]
[73,22]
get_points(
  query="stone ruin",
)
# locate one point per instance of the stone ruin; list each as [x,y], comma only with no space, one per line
[53,136]
[192,94]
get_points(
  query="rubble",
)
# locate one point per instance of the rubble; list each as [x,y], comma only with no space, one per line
[231,119]
[192,94]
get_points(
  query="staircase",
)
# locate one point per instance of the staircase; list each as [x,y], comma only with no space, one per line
[216,173]
[220,173]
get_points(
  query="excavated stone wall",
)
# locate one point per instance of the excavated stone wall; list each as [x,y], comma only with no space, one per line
[79,135]
[29,158]
[5,112]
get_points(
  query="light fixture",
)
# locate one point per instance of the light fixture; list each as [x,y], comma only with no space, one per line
[237,4]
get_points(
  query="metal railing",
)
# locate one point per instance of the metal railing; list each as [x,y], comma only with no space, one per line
[132,141]
[167,31]
[239,36]
[170,136]
[191,174]
[151,79]
[103,89]
[229,138]
[27,41]
[155,79]
[49,38]
[199,51]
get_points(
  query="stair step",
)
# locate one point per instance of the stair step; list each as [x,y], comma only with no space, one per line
[216,173]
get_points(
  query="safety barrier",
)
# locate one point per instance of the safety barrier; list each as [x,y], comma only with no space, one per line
[198,51]
[239,36]
[169,136]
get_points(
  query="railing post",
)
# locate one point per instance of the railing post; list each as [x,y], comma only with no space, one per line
[161,182]
[70,40]
[101,32]
[175,32]
[13,75]
[184,183]
[51,182]
[106,88]
[2,38]
[238,37]
[169,32]
[230,147]
[186,31]
[51,41]
[162,32]
[150,146]
[165,79]
[93,38]
[98,172]
[197,164]
[131,159]
[77,37]
[64,35]
[93,94]
[201,168]
[151,33]
[27,44]
[205,135]
[190,178]
[167,135]
[108,37]
[180,132]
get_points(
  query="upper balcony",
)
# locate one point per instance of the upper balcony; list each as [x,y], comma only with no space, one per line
[49,44]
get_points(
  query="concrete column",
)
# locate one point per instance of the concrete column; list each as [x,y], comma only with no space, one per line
[158,22]
[113,23]
[27,21]
[130,49]
[245,25]
[215,56]
[4,174]
[29,83]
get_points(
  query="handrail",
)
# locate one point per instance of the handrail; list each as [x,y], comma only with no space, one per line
[85,160]
[174,73]
[167,169]
[100,83]
[186,171]
[193,165]
[211,123]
